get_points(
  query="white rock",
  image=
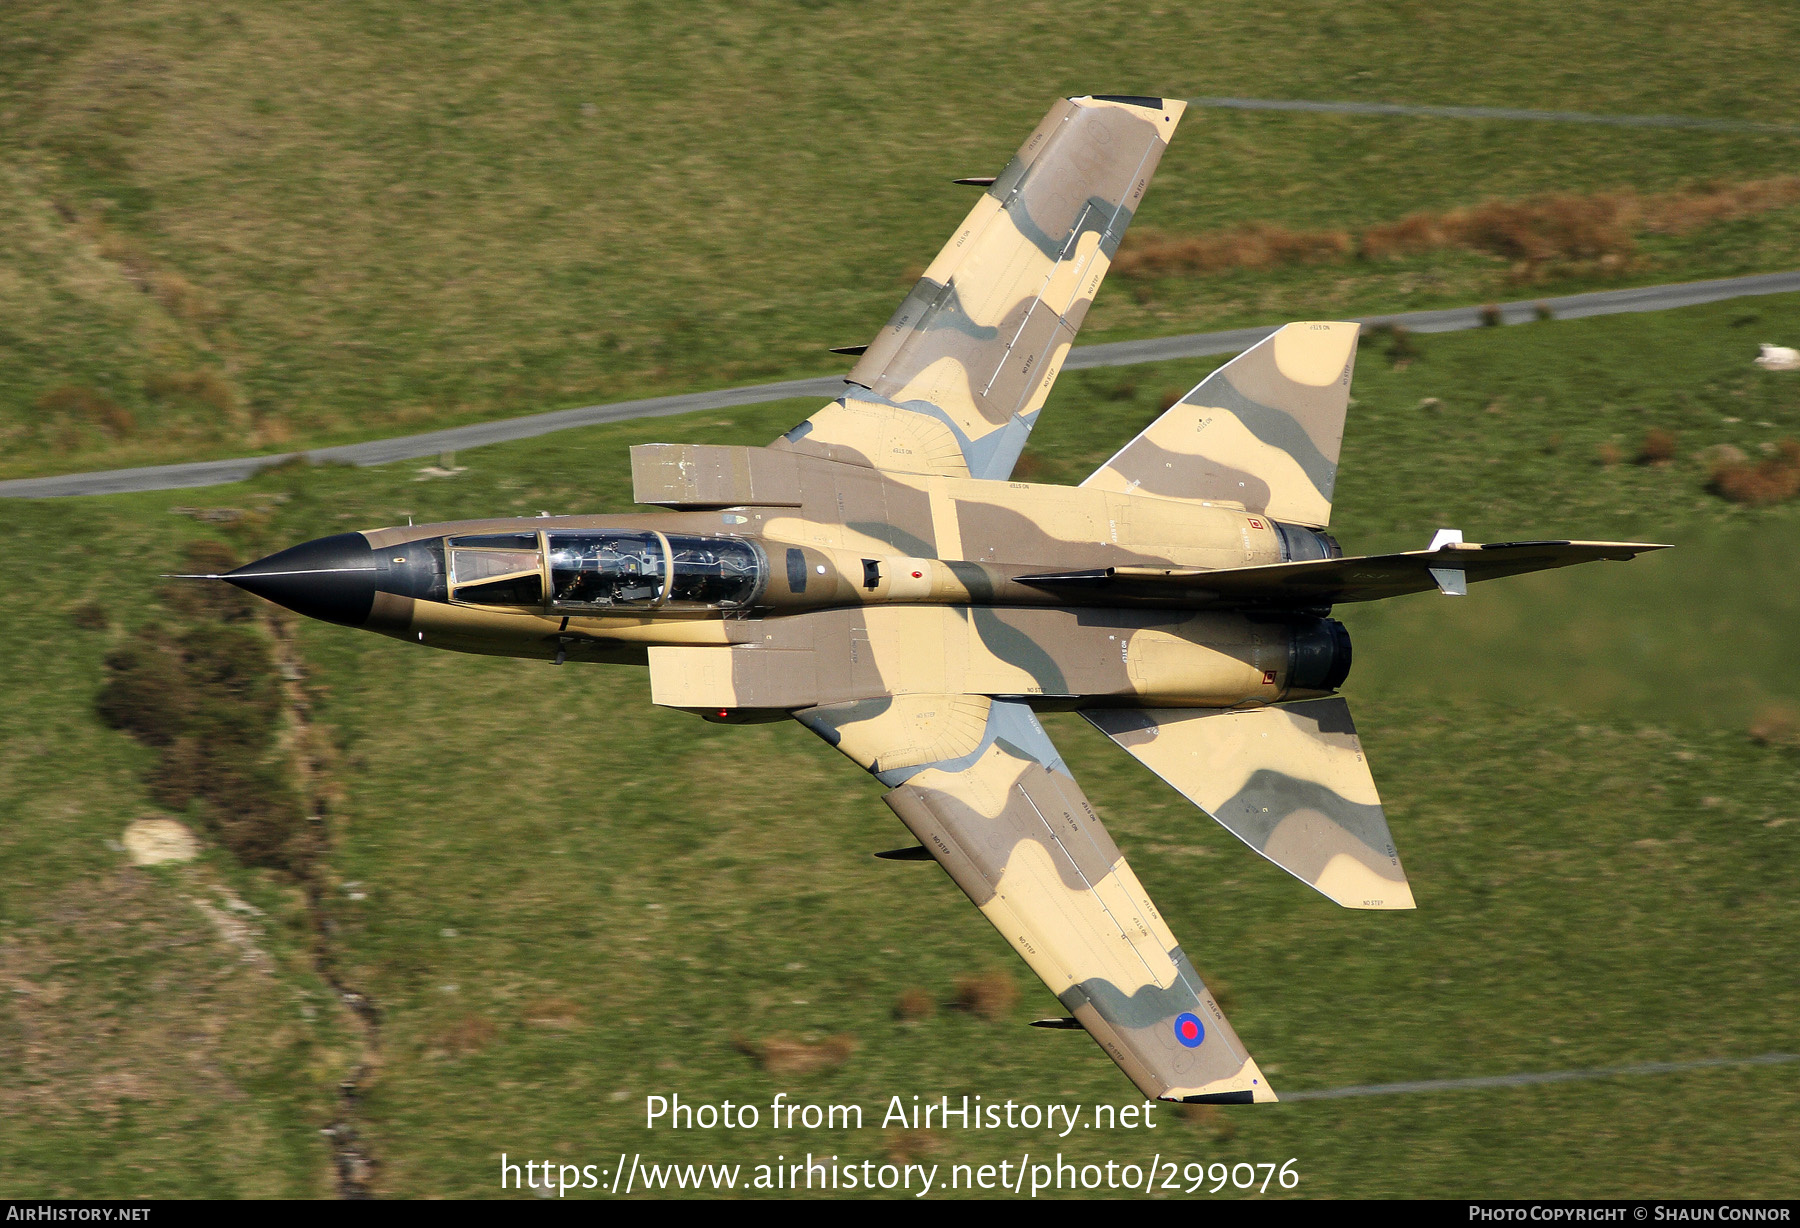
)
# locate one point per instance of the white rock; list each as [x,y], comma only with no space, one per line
[150,842]
[1779,358]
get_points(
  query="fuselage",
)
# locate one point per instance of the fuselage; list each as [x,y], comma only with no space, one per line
[796,578]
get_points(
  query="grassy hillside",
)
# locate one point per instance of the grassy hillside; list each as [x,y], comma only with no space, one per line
[561,899]
[265,226]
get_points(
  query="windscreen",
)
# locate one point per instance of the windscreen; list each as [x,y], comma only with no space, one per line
[497,569]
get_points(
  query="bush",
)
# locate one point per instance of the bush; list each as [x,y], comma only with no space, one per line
[232,665]
[1149,253]
[91,616]
[1774,480]
[1776,725]
[146,692]
[1595,231]
[1396,341]
[785,1055]
[205,386]
[991,995]
[1658,447]
[914,1005]
[89,406]
[207,698]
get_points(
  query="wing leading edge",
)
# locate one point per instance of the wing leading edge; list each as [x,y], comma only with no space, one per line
[980,785]
[954,382]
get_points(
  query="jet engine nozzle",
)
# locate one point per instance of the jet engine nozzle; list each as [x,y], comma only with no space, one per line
[1318,658]
[1300,544]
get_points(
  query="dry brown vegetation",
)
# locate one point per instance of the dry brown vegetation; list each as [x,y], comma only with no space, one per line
[1209,1117]
[909,1146]
[207,386]
[1535,233]
[556,1013]
[1773,480]
[203,692]
[177,295]
[470,1034]
[991,995]
[1398,343]
[1260,246]
[785,1055]
[1776,724]
[1594,232]
[74,402]
[1029,467]
[1658,447]
[913,1005]
[91,616]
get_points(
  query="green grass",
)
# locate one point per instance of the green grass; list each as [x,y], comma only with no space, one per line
[364,219]
[574,899]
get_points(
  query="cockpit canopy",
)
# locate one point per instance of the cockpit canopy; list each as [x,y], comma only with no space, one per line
[596,571]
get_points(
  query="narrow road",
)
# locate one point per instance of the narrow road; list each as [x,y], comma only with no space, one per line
[1413,110]
[1536,1077]
[1111,354]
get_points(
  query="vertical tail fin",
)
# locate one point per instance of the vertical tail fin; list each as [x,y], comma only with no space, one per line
[1263,430]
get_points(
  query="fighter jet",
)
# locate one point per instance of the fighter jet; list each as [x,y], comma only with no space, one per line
[876,575]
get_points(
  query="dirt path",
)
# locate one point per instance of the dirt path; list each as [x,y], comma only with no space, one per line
[356,1167]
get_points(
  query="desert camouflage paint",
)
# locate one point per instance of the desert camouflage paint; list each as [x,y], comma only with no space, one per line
[1289,781]
[1267,425]
[955,381]
[875,576]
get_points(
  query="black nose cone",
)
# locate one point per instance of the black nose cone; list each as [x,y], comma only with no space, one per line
[332,578]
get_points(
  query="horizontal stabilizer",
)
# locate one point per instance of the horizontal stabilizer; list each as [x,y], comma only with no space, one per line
[1289,781]
[1323,582]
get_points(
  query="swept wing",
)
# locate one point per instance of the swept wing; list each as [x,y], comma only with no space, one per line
[954,382]
[978,782]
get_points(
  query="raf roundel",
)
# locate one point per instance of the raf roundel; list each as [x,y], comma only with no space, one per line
[1189,1030]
